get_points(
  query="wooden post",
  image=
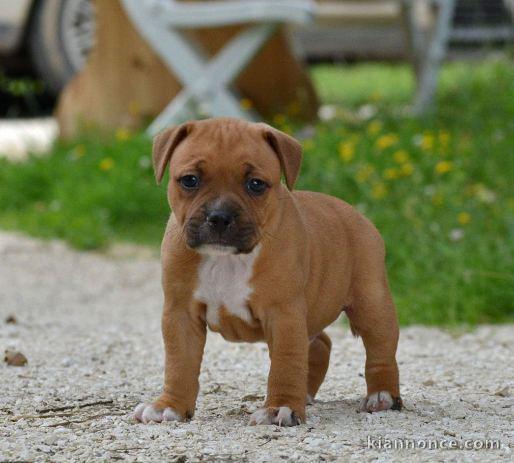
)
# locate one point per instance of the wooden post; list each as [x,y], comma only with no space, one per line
[125,84]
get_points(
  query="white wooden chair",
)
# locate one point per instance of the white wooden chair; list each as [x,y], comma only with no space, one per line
[206,83]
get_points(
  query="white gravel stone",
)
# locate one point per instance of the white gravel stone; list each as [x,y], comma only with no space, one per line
[89,327]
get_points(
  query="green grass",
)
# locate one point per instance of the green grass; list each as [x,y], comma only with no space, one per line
[439,188]
[359,84]
[89,193]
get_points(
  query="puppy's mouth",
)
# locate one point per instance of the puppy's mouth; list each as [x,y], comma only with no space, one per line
[221,235]
[219,246]
[217,250]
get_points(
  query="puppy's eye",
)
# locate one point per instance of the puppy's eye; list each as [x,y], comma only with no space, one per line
[189,182]
[256,186]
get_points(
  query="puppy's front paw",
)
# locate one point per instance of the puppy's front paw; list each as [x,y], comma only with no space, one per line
[379,401]
[281,416]
[146,413]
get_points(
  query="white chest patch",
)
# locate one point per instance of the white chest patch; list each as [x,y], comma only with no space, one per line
[224,280]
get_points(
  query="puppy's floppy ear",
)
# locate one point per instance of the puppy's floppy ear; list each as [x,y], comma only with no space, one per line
[289,153]
[163,146]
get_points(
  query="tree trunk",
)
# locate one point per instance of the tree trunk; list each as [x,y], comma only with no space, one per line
[125,84]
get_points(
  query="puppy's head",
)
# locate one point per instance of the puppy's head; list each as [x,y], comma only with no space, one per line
[224,183]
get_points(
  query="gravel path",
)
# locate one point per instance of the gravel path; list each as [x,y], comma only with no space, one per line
[89,326]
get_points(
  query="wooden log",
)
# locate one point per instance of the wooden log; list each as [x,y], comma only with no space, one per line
[125,84]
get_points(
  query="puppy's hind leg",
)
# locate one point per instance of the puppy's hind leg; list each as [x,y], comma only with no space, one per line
[319,356]
[373,317]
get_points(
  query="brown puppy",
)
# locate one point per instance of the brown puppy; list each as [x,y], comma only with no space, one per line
[255,261]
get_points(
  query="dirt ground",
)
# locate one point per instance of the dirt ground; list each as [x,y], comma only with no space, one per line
[89,327]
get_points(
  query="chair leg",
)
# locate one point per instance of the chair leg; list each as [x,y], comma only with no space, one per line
[436,50]
[169,44]
[413,35]
[176,112]
[210,91]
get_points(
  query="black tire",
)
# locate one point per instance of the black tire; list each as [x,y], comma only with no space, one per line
[56,58]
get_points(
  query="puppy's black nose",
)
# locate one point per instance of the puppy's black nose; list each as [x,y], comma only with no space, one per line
[220,220]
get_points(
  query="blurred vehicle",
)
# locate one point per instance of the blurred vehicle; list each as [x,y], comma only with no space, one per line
[477,25]
[52,37]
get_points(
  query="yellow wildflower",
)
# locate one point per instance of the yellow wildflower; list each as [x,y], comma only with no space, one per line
[391,173]
[374,127]
[401,156]
[442,167]
[427,141]
[386,141]
[346,151]
[106,164]
[464,218]
[364,173]
[407,169]
[379,191]
[122,134]
[246,104]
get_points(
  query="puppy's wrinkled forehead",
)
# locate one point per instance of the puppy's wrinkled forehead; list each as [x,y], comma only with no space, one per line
[227,143]
[222,148]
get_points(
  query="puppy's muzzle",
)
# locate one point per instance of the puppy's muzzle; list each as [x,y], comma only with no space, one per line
[224,226]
